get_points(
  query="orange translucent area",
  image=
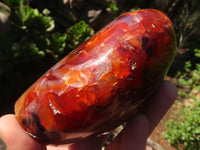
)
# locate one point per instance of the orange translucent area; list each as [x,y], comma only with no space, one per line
[102,82]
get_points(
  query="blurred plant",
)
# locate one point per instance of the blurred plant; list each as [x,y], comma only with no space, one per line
[191,77]
[113,7]
[183,130]
[77,34]
[30,41]
[132,9]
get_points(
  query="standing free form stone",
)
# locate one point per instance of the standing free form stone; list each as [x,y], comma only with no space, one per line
[102,83]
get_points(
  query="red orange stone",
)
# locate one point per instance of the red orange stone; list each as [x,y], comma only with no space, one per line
[102,83]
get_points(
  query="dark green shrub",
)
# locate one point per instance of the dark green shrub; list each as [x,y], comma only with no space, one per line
[191,77]
[183,130]
[31,45]
[77,34]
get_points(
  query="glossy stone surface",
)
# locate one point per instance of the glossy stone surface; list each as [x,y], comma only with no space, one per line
[101,83]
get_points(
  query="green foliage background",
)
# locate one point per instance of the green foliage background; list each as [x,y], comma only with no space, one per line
[183,130]
[31,46]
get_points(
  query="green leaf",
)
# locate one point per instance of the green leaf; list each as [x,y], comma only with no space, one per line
[77,34]
[14,3]
[136,8]
[113,7]
[185,131]
[38,23]
[197,52]
[25,12]
[58,42]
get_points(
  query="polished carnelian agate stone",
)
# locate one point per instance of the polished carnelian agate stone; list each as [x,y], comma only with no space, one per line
[102,83]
